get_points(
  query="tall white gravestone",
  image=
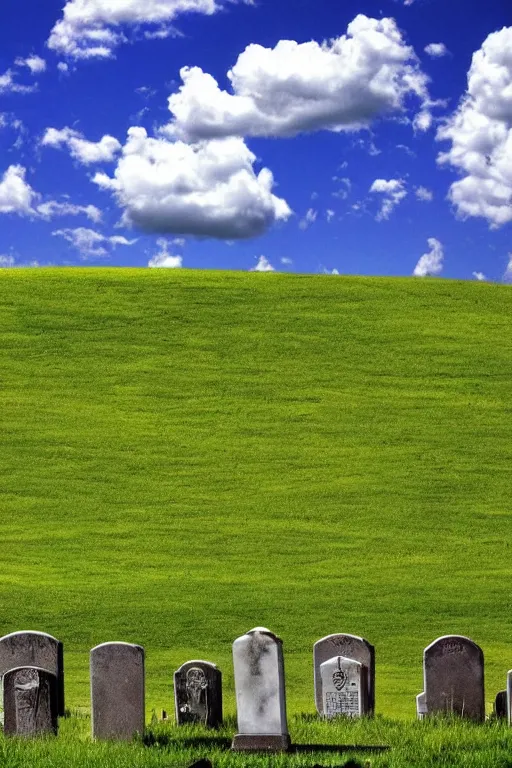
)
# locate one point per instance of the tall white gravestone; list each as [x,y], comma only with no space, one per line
[260,692]
[344,687]
[352,647]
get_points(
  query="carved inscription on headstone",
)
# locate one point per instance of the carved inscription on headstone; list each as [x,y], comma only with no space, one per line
[34,649]
[198,694]
[30,702]
[260,692]
[454,677]
[343,687]
[351,647]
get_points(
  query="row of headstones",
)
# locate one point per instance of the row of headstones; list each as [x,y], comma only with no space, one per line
[31,667]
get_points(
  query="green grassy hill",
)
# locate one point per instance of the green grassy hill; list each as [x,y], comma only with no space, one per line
[186,455]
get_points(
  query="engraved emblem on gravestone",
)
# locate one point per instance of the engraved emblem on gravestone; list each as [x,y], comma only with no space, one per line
[453,668]
[30,702]
[344,687]
[348,646]
[198,694]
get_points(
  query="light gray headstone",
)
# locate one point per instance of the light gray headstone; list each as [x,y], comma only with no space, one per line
[509,697]
[198,694]
[117,691]
[352,647]
[260,692]
[421,705]
[30,702]
[453,668]
[344,687]
[34,649]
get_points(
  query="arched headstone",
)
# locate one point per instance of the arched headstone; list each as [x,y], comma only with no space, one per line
[260,692]
[453,668]
[344,687]
[198,694]
[351,647]
[30,702]
[117,691]
[34,649]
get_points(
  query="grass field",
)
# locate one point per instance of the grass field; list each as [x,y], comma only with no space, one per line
[185,455]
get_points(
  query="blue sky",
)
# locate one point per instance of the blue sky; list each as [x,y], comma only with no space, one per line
[303,135]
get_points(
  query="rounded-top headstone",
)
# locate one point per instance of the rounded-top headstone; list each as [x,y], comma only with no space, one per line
[352,647]
[117,690]
[453,667]
[29,648]
[30,702]
[198,693]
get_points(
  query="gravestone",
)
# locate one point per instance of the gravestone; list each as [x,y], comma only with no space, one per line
[352,647]
[198,694]
[117,691]
[344,687]
[260,692]
[500,705]
[421,705]
[30,702]
[453,668]
[509,697]
[34,649]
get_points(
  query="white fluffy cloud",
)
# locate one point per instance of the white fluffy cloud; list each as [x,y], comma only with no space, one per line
[309,218]
[86,152]
[16,194]
[164,258]
[431,263]
[436,50]
[424,194]
[34,63]
[208,189]
[90,243]
[393,192]
[480,132]
[9,85]
[263,265]
[479,276]
[508,272]
[94,28]
[341,85]
[52,208]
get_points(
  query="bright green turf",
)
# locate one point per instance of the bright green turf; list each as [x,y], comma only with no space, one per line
[185,455]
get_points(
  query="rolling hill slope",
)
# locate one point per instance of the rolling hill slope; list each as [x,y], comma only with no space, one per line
[185,455]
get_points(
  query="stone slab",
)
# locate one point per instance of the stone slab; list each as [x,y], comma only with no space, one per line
[117,691]
[261,743]
[344,687]
[453,668]
[34,649]
[352,647]
[259,685]
[509,697]
[198,694]
[500,705]
[421,705]
[30,702]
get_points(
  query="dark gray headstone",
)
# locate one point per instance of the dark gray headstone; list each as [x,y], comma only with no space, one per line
[198,694]
[453,668]
[260,692]
[30,702]
[500,705]
[344,687]
[117,691]
[34,649]
[352,647]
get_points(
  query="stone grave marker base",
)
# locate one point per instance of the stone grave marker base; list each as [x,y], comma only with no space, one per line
[255,742]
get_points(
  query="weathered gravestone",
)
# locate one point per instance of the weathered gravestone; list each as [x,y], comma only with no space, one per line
[509,697]
[198,694]
[30,702]
[500,705]
[351,647]
[421,705]
[344,687]
[34,649]
[117,691]
[260,692]
[453,668]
